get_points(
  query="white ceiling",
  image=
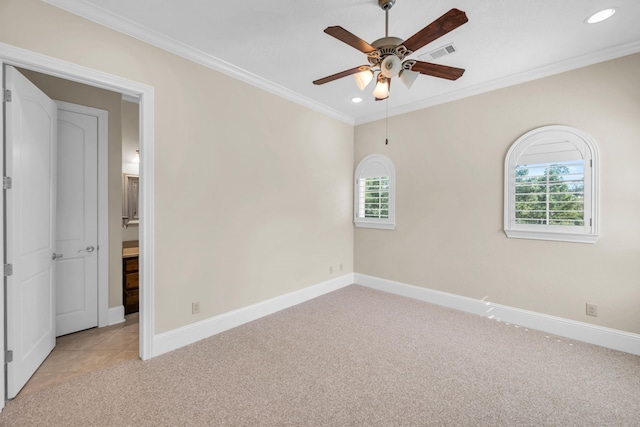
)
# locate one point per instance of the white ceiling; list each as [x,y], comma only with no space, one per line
[280,45]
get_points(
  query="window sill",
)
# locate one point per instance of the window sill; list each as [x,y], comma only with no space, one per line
[554,236]
[379,225]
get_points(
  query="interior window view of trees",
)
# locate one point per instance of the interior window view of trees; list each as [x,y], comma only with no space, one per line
[374,197]
[550,194]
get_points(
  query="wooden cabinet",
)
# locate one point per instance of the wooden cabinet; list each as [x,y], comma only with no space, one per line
[130,284]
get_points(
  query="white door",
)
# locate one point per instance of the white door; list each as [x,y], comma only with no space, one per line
[31,128]
[77,222]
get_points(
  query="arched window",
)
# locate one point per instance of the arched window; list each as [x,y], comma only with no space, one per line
[374,193]
[551,186]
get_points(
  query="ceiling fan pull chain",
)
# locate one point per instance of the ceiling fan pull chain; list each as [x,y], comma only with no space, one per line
[386,123]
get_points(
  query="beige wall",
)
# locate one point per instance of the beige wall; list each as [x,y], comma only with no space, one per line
[449,164]
[252,192]
[64,90]
[130,143]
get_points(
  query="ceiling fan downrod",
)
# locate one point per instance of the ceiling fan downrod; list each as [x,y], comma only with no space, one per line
[386,5]
[387,55]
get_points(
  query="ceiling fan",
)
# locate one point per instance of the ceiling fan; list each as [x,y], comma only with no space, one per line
[387,55]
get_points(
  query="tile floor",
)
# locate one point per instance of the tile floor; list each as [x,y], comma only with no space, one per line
[87,351]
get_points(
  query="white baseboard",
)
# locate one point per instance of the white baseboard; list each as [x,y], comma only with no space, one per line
[605,337]
[116,315]
[180,337]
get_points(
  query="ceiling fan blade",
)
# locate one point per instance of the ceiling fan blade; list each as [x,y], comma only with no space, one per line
[350,39]
[341,75]
[438,28]
[437,70]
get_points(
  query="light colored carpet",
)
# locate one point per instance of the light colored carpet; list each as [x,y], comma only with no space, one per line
[355,357]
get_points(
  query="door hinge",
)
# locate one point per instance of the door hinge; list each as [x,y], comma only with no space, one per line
[8,270]
[590,222]
[6,95]
[8,356]
[6,182]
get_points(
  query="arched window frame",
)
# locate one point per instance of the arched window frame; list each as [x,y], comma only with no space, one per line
[374,166]
[549,142]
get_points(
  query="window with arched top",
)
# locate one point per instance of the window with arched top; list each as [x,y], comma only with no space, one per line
[551,186]
[374,193]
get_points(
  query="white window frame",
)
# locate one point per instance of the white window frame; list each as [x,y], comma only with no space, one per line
[551,138]
[374,166]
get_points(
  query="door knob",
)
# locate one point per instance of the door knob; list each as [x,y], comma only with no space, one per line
[87,249]
[56,256]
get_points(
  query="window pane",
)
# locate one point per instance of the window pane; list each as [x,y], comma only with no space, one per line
[550,194]
[374,199]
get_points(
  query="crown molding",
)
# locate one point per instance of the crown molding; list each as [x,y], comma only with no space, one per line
[125,26]
[511,80]
[115,22]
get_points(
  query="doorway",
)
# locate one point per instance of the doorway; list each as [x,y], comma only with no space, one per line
[79,220]
[10,55]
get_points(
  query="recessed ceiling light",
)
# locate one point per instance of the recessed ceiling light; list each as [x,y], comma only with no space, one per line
[601,16]
[356,100]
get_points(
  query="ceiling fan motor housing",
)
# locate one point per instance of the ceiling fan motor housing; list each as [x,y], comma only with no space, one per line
[385,47]
[386,4]
[387,55]
[387,43]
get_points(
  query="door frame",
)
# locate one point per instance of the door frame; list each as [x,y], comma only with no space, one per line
[18,57]
[103,203]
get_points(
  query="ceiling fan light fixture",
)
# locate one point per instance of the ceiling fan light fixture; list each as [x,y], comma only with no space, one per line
[408,77]
[385,55]
[363,78]
[382,88]
[390,66]
[601,15]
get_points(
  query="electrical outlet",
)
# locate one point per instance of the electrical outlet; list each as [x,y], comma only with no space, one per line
[195,307]
[330,269]
[341,267]
[592,310]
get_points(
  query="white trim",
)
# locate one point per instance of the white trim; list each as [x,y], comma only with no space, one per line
[3,381]
[605,337]
[146,226]
[558,237]
[375,165]
[383,226]
[15,56]
[191,333]
[103,203]
[115,315]
[511,80]
[589,233]
[103,219]
[109,19]
[130,98]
